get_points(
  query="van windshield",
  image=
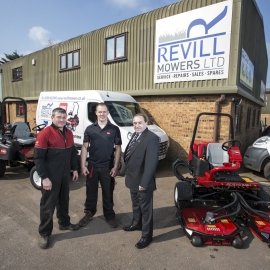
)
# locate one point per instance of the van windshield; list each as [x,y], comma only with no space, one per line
[122,112]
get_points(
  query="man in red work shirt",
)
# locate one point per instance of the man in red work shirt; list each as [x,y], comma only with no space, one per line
[55,156]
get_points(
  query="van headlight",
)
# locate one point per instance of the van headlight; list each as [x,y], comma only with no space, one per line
[262,141]
[129,135]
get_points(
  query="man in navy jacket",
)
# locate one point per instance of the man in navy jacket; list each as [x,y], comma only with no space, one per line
[141,158]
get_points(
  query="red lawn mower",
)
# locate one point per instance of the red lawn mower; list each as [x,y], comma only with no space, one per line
[213,204]
[17,142]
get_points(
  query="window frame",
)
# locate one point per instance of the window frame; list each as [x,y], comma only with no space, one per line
[258,117]
[253,124]
[73,66]
[20,106]
[115,58]
[15,71]
[248,118]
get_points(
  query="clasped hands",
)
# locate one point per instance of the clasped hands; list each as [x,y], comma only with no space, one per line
[113,172]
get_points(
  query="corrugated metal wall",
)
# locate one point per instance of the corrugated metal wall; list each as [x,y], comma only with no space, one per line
[136,75]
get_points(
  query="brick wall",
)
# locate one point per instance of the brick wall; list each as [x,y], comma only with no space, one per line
[265,119]
[176,116]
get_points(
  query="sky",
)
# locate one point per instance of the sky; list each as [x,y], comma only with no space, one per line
[30,25]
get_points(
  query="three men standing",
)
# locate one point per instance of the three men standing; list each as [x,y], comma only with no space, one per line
[55,155]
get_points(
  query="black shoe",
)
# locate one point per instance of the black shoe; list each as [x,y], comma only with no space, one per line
[112,223]
[86,219]
[143,243]
[44,242]
[70,227]
[131,228]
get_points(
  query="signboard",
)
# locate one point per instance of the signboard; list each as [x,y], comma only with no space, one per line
[194,45]
[247,71]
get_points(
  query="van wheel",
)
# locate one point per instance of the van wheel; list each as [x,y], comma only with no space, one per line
[122,166]
[266,171]
[35,179]
[2,167]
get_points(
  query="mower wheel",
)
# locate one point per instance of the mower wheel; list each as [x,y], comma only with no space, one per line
[266,171]
[264,193]
[196,241]
[237,242]
[2,167]
[35,178]
[182,194]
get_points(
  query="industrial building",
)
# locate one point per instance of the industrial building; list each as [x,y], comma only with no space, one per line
[176,61]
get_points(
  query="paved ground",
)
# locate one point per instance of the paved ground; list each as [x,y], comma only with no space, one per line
[97,246]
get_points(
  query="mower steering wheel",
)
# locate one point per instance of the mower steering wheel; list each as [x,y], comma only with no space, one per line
[39,127]
[232,143]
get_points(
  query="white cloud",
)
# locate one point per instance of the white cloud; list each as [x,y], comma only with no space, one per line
[127,3]
[39,34]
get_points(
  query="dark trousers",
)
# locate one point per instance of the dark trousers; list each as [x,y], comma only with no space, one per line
[57,197]
[107,184]
[142,206]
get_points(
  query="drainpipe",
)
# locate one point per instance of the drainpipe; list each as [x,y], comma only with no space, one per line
[217,102]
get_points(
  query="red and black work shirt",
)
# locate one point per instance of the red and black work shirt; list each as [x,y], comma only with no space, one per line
[55,154]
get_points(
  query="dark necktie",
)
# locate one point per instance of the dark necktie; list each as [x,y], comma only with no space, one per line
[134,139]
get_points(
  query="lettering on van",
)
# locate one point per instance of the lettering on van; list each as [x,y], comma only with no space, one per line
[46,110]
[77,137]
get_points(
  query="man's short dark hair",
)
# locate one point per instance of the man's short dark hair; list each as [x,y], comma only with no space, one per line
[102,104]
[58,110]
[143,115]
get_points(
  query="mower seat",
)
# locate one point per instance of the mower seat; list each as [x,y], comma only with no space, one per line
[216,155]
[23,134]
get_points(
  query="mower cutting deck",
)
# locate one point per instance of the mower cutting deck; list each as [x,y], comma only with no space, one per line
[212,204]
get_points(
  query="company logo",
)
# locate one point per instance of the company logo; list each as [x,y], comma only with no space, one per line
[77,136]
[212,228]
[199,50]
[46,110]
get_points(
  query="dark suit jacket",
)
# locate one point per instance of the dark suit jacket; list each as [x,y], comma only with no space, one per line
[142,162]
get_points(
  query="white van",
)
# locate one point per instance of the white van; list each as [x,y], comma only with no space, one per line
[80,106]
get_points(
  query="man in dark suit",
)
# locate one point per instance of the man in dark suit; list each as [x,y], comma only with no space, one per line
[141,158]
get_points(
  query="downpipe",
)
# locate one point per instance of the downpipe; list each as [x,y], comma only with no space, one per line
[217,109]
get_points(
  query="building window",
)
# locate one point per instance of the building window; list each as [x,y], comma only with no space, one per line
[258,117]
[70,60]
[20,109]
[253,118]
[115,48]
[248,118]
[92,111]
[17,74]
[238,119]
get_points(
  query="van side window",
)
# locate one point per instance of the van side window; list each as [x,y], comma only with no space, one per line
[91,107]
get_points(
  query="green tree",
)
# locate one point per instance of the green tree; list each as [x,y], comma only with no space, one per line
[10,57]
